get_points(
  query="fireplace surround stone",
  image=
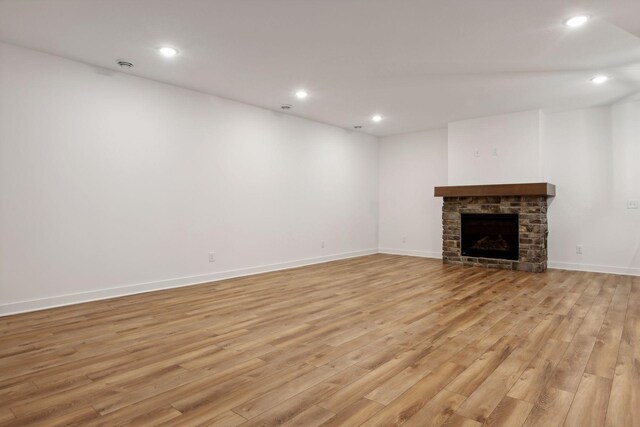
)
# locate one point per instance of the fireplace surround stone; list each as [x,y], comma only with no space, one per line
[532,220]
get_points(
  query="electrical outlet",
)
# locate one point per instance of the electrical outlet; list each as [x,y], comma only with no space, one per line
[212,257]
[579,249]
[632,204]
[322,244]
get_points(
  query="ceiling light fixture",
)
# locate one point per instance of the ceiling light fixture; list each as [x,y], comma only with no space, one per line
[302,94]
[577,21]
[376,118]
[168,51]
[599,79]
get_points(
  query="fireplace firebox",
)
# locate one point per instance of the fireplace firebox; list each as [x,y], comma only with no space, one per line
[489,236]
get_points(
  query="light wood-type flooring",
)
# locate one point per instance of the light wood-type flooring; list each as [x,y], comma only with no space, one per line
[374,341]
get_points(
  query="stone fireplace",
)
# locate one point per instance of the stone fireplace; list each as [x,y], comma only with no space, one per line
[496,226]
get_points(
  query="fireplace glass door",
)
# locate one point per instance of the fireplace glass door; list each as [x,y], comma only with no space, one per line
[489,236]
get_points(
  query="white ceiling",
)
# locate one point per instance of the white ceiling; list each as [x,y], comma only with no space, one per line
[420,63]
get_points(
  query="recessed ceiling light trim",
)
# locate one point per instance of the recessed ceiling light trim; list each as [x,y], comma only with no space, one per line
[577,21]
[168,51]
[599,79]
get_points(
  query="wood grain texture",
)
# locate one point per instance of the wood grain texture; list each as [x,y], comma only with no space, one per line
[525,189]
[376,340]
[589,406]
[509,412]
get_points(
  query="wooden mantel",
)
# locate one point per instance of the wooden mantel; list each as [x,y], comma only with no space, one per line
[526,189]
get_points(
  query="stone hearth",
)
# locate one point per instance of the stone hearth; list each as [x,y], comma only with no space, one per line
[532,220]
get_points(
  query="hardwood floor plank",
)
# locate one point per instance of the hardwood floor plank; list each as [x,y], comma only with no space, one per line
[589,406]
[311,417]
[355,414]
[539,372]
[279,394]
[550,410]
[593,320]
[438,410]
[625,389]
[358,389]
[375,340]
[509,412]
[156,416]
[602,361]
[457,420]
[78,416]
[474,375]
[6,416]
[222,419]
[414,399]
[569,371]
[294,407]
[488,395]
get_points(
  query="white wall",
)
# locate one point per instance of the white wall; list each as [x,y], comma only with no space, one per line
[410,217]
[112,184]
[593,157]
[495,150]
[112,181]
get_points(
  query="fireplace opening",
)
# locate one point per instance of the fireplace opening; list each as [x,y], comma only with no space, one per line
[489,236]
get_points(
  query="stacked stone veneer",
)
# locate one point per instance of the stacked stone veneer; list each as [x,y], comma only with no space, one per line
[532,213]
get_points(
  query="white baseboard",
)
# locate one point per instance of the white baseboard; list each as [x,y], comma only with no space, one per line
[410,252]
[68,299]
[629,271]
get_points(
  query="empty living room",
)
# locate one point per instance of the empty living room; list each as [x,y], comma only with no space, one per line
[320,213]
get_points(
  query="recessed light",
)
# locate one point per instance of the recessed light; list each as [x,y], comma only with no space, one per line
[302,94]
[577,21]
[168,51]
[376,118]
[599,79]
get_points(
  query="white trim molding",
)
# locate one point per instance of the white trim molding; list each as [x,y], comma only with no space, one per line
[410,252]
[627,271]
[76,298]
